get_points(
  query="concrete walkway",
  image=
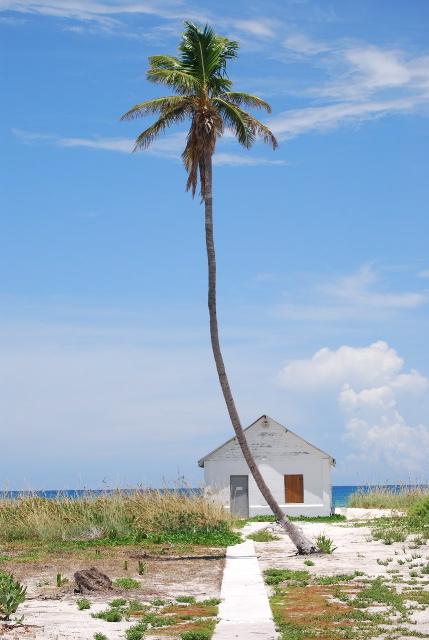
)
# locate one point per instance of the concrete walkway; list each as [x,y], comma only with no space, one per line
[244,612]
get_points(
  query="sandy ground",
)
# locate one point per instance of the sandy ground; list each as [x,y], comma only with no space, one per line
[356,551]
[51,613]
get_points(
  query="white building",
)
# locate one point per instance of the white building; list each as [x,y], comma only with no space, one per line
[297,472]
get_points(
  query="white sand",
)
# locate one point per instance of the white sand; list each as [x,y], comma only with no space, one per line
[61,620]
[356,551]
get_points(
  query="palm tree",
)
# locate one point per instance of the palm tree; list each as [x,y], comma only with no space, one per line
[202,93]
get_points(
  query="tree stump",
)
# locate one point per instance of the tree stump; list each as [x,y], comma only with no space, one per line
[89,580]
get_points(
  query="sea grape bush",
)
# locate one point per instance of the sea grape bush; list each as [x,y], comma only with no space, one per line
[12,594]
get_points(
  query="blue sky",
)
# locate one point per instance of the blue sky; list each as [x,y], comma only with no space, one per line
[106,371]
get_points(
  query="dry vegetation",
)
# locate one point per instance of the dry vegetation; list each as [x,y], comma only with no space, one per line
[155,546]
[119,517]
[378,497]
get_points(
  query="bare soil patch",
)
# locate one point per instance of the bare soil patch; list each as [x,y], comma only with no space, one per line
[51,613]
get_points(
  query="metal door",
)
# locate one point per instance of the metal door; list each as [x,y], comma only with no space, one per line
[239,496]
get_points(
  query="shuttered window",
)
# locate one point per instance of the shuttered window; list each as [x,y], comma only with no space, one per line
[294,488]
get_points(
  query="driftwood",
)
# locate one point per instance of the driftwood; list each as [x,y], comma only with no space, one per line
[89,580]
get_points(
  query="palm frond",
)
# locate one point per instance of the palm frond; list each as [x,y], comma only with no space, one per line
[241,98]
[164,62]
[204,53]
[183,82]
[157,105]
[218,85]
[149,135]
[237,120]
[245,126]
[263,132]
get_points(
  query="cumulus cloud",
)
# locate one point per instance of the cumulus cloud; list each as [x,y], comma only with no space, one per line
[380,398]
[371,390]
[358,366]
[391,442]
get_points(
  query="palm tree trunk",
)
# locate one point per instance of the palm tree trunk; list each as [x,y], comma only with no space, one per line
[303,545]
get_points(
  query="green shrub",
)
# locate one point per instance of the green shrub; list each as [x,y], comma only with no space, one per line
[109,615]
[325,544]
[276,576]
[186,599]
[420,510]
[127,583]
[83,603]
[12,594]
[262,536]
[338,578]
[210,602]
[389,535]
[156,620]
[335,517]
[196,635]
[100,636]
[118,602]
[135,606]
[136,632]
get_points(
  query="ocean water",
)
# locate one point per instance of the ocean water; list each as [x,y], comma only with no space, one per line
[340,494]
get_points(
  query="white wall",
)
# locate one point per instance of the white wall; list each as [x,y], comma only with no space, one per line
[277,453]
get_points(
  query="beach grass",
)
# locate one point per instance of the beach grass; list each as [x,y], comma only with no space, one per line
[401,498]
[141,516]
[409,516]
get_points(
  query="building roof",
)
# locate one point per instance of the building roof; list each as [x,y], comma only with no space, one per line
[202,460]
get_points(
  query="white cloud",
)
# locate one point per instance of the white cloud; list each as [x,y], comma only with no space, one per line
[357,366]
[424,273]
[362,82]
[261,27]
[171,146]
[380,398]
[289,124]
[233,159]
[302,44]
[124,145]
[356,296]
[367,70]
[371,390]
[380,68]
[356,289]
[108,15]
[103,13]
[391,444]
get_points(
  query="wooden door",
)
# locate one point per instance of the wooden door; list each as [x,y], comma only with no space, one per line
[294,488]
